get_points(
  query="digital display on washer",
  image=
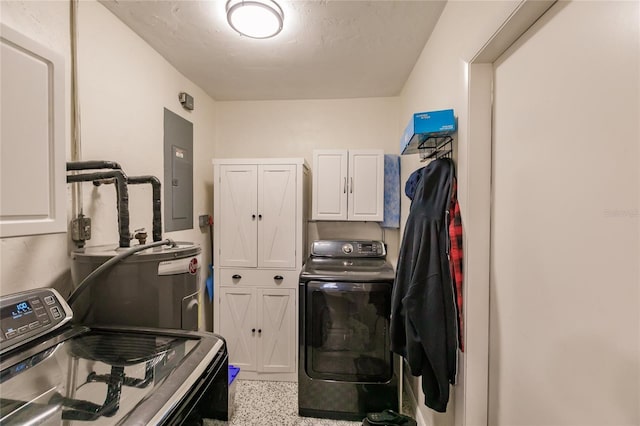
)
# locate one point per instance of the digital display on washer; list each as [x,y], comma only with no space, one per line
[366,248]
[16,311]
[17,315]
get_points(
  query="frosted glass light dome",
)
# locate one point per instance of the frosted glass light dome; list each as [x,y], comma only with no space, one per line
[255,18]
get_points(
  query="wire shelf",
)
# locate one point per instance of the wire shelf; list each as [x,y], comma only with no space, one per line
[434,147]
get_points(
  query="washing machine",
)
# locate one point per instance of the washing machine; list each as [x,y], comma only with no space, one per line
[346,367]
[53,372]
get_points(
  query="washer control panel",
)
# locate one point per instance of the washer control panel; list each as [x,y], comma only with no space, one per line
[355,248]
[30,314]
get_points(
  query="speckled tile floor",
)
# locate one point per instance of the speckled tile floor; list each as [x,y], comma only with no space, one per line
[271,403]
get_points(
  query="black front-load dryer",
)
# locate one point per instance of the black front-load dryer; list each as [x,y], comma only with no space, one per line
[346,367]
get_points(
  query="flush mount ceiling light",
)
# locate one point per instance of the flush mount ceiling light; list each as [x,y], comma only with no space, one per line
[255,18]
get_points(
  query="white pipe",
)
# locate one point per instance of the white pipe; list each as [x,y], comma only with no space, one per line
[76,143]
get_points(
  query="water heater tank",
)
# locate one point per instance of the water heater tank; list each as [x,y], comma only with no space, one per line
[157,287]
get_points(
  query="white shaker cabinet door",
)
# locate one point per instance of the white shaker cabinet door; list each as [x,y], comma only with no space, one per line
[276,216]
[329,196]
[277,344]
[366,185]
[32,130]
[238,325]
[238,215]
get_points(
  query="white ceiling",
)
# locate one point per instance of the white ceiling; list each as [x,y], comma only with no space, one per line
[327,49]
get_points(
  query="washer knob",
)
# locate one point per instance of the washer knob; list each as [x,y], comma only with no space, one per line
[347,248]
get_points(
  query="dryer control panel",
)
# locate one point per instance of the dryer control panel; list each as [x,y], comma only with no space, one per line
[27,315]
[350,248]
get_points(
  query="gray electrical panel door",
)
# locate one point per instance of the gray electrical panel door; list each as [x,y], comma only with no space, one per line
[178,172]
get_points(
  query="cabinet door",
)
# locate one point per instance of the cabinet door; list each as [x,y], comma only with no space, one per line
[276,216]
[237,320]
[32,159]
[276,310]
[366,185]
[238,215]
[329,196]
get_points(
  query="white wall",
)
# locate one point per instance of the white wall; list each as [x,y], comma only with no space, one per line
[124,86]
[296,128]
[439,81]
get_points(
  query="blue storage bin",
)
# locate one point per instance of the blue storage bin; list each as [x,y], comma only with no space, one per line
[233,373]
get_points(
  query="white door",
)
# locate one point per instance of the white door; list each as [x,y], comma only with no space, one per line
[277,312]
[239,215]
[366,185]
[276,216]
[238,325]
[564,324]
[329,195]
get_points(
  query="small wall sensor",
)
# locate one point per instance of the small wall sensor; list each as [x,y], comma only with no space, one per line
[186,100]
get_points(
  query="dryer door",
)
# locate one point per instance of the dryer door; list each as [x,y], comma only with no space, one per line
[347,331]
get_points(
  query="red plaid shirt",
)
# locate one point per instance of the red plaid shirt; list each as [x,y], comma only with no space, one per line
[455,256]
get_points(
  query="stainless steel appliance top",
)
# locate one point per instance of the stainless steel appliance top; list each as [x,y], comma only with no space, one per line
[44,364]
[347,260]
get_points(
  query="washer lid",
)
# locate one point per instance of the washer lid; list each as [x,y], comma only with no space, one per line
[122,375]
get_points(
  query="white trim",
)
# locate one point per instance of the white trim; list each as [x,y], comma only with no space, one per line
[478,200]
[522,18]
[413,402]
[477,246]
[259,161]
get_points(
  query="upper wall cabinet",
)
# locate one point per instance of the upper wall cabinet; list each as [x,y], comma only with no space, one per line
[32,117]
[348,185]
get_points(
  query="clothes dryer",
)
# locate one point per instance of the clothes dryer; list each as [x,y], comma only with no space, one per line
[346,367]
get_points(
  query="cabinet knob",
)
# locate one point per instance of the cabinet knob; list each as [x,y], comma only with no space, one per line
[253,330]
[259,330]
[278,278]
[260,216]
[253,216]
[236,276]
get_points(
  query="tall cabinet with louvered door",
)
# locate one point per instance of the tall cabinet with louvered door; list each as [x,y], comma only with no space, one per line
[260,228]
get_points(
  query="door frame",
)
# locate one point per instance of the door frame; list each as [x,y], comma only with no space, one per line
[476,170]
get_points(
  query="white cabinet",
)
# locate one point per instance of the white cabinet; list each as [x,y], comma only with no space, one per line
[348,185]
[257,211]
[260,219]
[259,325]
[32,113]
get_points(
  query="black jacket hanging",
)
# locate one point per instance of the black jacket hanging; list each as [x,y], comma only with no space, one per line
[423,312]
